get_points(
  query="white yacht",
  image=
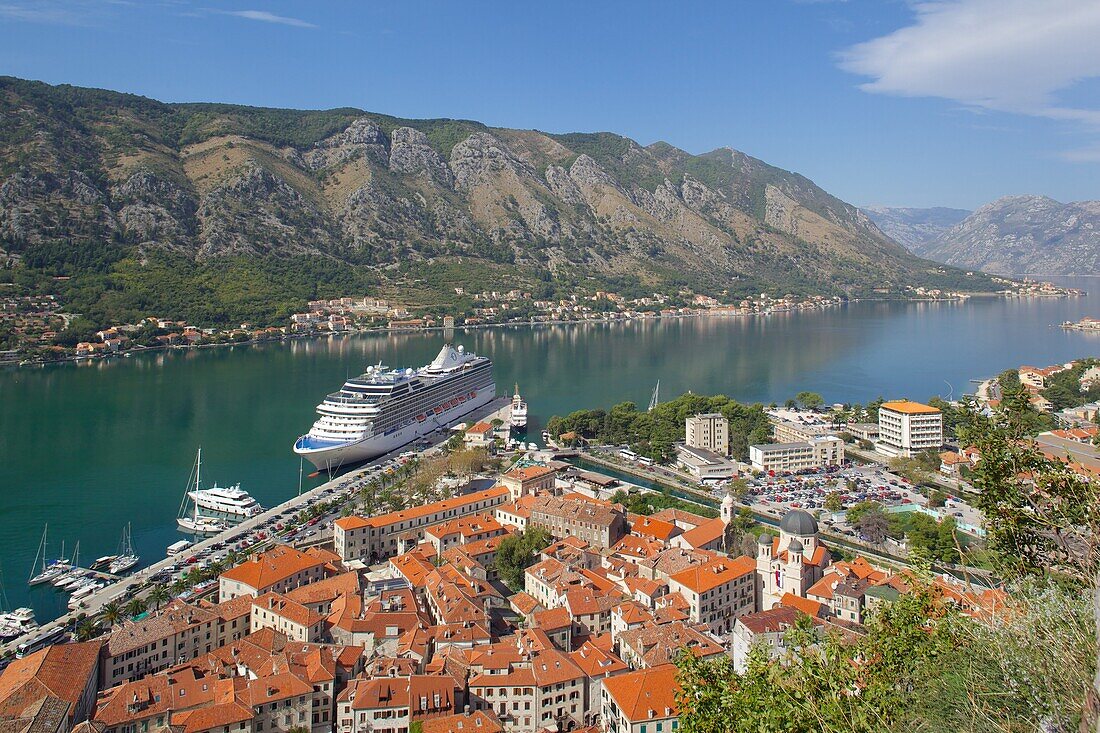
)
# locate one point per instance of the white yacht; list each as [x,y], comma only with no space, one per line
[384,409]
[16,623]
[215,509]
[518,415]
[231,503]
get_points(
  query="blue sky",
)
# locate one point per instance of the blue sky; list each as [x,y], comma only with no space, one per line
[941,102]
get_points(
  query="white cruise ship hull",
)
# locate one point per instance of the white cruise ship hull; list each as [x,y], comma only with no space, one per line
[336,456]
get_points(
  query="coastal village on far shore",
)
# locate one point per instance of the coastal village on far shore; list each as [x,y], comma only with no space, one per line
[522,589]
[35,325]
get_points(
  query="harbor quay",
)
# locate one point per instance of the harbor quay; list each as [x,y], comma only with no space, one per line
[340,488]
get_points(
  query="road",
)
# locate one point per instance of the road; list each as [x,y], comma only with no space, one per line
[341,488]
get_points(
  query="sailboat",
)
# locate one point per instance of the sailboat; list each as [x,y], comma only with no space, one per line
[656,396]
[127,558]
[46,572]
[73,576]
[192,522]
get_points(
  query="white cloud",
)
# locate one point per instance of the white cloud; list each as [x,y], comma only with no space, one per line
[265,17]
[41,12]
[1005,55]
[1086,154]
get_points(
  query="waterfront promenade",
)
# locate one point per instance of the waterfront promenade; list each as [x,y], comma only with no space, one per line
[339,489]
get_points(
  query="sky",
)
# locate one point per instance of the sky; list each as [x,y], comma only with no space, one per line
[920,103]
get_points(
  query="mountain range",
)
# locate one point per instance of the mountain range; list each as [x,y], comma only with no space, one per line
[913,227]
[113,188]
[1014,235]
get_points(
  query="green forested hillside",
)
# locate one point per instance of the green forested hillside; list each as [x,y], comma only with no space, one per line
[219,209]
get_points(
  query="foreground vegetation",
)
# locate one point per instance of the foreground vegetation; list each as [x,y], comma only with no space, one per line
[1026,664]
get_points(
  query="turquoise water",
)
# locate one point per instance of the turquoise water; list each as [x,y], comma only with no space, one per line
[88,447]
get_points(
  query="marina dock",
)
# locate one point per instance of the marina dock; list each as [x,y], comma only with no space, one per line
[339,488]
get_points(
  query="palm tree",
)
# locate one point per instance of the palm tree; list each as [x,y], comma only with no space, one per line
[112,613]
[135,606]
[158,594]
[86,630]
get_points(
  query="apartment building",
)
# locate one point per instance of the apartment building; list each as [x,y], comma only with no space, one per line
[174,634]
[906,428]
[718,591]
[393,704]
[529,480]
[533,693]
[51,690]
[598,523]
[788,431]
[814,453]
[642,702]
[709,431]
[280,569]
[296,621]
[370,539]
[463,531]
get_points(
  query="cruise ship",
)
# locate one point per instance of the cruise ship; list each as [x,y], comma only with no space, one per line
[384,409]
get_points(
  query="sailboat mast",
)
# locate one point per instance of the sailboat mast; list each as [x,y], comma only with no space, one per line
[41,552]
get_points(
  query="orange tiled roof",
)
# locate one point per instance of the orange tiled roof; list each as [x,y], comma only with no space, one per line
[705,533]
[646,694]
[908,407]
[384,520]
[805,605]
[710,575]
[61,671]
[527,473]
[273,566]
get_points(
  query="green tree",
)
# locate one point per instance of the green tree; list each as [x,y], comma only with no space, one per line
[86,630]
[111,613]
[518,552]
[811,686]
[810,400]
[833,502]
[158,595]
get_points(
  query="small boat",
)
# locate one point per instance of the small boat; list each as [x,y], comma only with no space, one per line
[201,525]
[73,579]
[438,410]
[17,622]
[86,589]
[126,557]
[82,593]
[422,417]
[103,562]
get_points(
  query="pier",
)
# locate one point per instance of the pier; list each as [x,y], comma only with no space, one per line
[341,488]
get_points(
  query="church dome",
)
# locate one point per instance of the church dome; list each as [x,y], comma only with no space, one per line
[798,522]
[764,539]
[795,547]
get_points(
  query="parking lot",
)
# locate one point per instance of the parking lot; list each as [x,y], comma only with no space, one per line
[778,494]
